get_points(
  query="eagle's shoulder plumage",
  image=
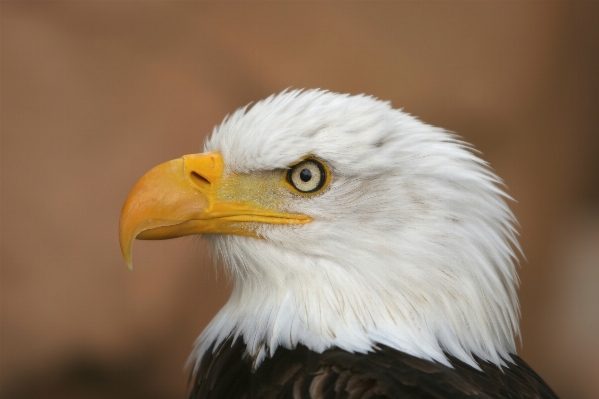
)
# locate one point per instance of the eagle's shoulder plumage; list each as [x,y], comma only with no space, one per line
[299,373]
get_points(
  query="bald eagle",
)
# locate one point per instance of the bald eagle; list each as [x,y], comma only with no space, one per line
[371,255]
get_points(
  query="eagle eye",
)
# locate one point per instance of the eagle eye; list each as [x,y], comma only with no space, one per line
[309,176]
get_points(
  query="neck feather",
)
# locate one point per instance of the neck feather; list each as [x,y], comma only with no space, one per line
[327,307]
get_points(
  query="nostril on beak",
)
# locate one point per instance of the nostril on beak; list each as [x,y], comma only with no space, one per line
[199,180]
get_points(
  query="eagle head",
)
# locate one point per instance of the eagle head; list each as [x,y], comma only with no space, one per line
[342,222]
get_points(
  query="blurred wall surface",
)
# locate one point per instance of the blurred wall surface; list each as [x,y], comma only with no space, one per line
[95,93]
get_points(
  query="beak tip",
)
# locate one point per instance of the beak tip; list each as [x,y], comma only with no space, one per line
[128,260]
[128,256]
[126,251]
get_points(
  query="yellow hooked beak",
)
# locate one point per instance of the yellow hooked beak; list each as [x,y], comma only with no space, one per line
[184,197]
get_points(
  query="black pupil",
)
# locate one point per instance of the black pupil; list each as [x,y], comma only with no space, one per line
[305,175]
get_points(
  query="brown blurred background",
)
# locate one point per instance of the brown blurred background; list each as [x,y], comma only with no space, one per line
[93,94]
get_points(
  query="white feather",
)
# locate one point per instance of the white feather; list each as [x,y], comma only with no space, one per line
[412,245]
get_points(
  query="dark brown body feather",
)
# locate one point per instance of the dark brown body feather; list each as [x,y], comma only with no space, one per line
[335,374]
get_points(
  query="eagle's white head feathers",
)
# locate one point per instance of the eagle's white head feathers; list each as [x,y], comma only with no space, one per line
[412,244]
